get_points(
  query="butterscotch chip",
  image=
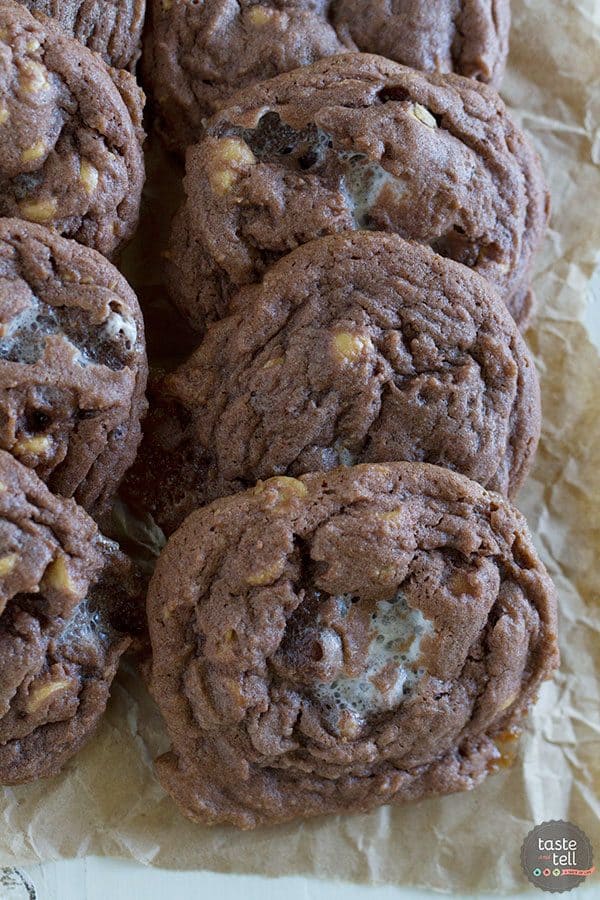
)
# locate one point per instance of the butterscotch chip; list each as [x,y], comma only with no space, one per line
[386,352]
[359,143]
[198,54]
[70,127]
[67,598]
[338,693]
[72,363]
[112,28]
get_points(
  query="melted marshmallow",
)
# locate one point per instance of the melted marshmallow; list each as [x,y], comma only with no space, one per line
[363,183]
[397,631]
[117,324]
[26,333]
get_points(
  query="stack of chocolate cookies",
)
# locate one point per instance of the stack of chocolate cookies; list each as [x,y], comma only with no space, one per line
[349,610]
[73,372]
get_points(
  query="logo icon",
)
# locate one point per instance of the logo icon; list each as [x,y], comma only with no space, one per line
[557,856]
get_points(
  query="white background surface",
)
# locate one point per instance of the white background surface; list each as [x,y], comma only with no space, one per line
[109,879]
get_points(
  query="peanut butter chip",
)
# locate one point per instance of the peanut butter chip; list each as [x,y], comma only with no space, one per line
[222,181]
[7,564]
[36,151]
[286,487]
[4,115]
[350,347]
[423,115]
[391,515]
[57,576]
[39,694]
[40,211]
[88,176]
[34,445]
[260,15]
[276,361]
[233,156]
[35,77]
[266,576]
[237,151]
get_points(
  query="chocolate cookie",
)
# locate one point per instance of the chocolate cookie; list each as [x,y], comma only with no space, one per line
[355,348]
[469,37]
[197,54]
[113,29]
[357,142]
[64,596]
[342,641]
[70,134]
[72,363]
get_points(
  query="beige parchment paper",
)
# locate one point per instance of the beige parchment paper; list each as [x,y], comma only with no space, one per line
[108,802]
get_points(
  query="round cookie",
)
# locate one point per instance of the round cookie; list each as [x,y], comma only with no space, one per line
[70,134]
[72,363]
[342,641]
[113,29]
[66,594]
[354,348]
[197,55]
[469,37]
[357,142]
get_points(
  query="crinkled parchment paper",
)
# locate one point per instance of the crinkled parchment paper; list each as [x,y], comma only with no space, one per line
[107,801]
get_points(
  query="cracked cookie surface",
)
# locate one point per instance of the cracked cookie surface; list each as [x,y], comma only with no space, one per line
[354,348]
[197,55]
[70,134]
[72,363]
[113,29]
[345,640]
[65,595]
[357,143]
